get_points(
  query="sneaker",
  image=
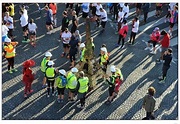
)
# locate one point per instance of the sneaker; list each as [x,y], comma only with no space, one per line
[108,102]
[59,100]
[72,100]
[48,96]
[30,91]
[158,61]
[25,95]
[147,48]
[53,94]
[14,70]
[10,71]
[117,45]
[43,86]
[160,78]
[79,106]
[48,32]
[153,52]
[122,47]
[63,54]
[67,56]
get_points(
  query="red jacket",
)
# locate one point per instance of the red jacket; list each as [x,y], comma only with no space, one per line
[165,42]
[155,36]
[28,76]
[123,30]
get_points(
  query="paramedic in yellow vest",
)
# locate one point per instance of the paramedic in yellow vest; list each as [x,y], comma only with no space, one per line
[103,61]
[82,89]
[10,53]
[72,83]
[60,85]
[44,62]
[50,74]
[82,49]
[111,84]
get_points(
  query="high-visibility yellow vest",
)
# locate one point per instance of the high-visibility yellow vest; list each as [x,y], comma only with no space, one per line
[71,81]
[103,58]
[113,78]
[11,13]
[43,64]
[10,54]
[82,55]
[83,84]
[119,73]
[50,73]
[58,82]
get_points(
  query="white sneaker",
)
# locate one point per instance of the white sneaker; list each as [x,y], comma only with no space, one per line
[48,32]
[153,52]
[147,48]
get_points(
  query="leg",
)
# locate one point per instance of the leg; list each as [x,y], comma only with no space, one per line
[119,39]
[9,63]
[165,69]
[48,87]
[52,85]
[134,35]
[122,42]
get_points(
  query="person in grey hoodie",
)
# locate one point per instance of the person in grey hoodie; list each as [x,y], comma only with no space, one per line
[149,104]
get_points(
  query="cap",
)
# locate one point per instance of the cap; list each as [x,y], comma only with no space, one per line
[156,29]
[82,45]
[113,68]
[62,71]
[7,40]
[50,63]
[74,69]
[104,49]
[48,54]
[29,63]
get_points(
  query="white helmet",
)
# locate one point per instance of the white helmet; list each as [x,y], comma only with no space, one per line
[48,54]
[113,68]
[74,69]
[82,45]
[7,40]
[63,72]
[104,49]
[50,63]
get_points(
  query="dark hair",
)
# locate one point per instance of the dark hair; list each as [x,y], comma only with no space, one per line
[65,13]
[136,18]
[124,21]
[170,50]
[46,7]
[103,45]
[21,11]
[31,21]
[151,91]
[163,32]
[81,74]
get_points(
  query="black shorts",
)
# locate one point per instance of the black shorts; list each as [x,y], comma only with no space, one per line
[73,29]
[25,28]
[84,15]
[171,25]
[60,91]
[48,23]
[65,45]
[111,90]
[153,42]
[72,90]
[72,57]
[103,24]
[10,32]
[158,8]
[32,33]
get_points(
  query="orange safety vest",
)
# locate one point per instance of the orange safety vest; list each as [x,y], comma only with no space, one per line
[10,50]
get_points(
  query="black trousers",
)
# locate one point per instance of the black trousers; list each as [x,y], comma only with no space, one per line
[149,116]
[132,37]
[121,37]
[82,99]
[145,16]
[164,70]
[50,83]
[10,63]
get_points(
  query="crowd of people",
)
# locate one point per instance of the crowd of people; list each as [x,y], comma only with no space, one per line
[74,48]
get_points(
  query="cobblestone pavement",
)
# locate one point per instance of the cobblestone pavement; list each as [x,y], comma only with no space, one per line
[138,67]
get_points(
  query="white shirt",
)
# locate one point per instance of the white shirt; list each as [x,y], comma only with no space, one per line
[171,5]
[86,8]
[66,37]
[126,10]
[5,30]
[32,27]
[135,27]
[94,4]
[98,9]
[9,20]
[120,16]
[24,20]
[103,15]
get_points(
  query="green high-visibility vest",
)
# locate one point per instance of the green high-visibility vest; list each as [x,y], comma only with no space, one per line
[50,73]
[83,84]
[43,64]
[82,55]
[71,81]
[58,82]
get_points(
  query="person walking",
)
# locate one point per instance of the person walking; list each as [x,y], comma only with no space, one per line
[66,38]
[49,20]
[154,39]
[149,104]
[145,8]
[167,57]
[111,83]
[10,25]
[85,11]
[44,62]
[82,87]
[165,42]
[122,33]
[103,17]
[9,53]
[32,32]
[50,74]
[120,17]
[82,52]
[135,28]
[53,7]
[28,76]
[65,23]
[74,22]
[61,82]
[98,14]
[72,83]
[126,10]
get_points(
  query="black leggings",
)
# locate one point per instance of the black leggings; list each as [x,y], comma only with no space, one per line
[121,37]
[52,85]
[10,63]
[133,35]
[82,100]
[165,69]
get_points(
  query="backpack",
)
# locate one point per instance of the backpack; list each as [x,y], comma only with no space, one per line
[64,80]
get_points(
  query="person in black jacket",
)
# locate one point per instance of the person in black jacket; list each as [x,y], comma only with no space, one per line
[145,8]
[167,57]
